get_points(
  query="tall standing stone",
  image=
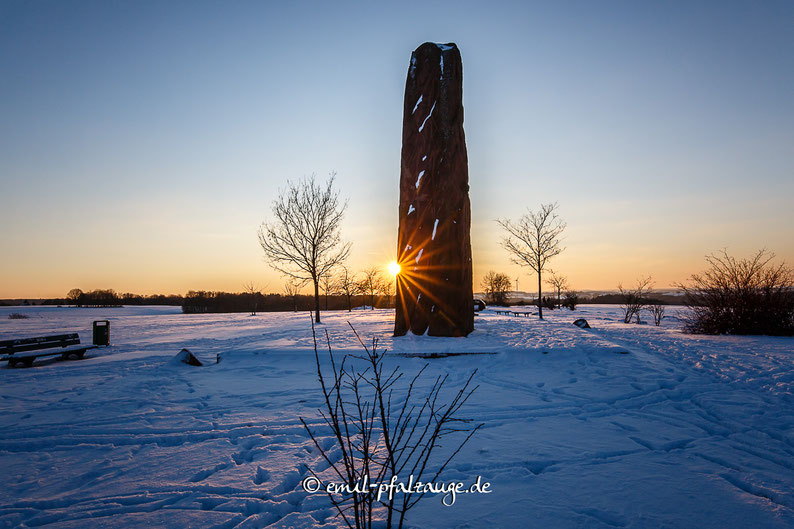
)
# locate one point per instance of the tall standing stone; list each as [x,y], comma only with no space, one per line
[434,288]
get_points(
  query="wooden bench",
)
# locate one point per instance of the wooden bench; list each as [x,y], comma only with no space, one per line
[514,313]
[64,345]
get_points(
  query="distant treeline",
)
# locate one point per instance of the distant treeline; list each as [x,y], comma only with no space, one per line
[100,298]
[198,302]
[210,301]
[616,299]
[611,299]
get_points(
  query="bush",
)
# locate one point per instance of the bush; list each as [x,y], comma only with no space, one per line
[634,299]
[571,300]
[17,316]
[496,287]
[656,308]
[741,296]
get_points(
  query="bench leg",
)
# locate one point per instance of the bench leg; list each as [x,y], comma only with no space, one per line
[12,362]
[28,361]
[80,355]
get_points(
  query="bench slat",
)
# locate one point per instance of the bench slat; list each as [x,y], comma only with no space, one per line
[40,342]
[65,350]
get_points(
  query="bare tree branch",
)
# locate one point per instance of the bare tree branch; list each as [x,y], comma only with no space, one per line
[379,436]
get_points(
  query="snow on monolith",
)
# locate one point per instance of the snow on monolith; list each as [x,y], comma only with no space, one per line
[434,287]
[185,357]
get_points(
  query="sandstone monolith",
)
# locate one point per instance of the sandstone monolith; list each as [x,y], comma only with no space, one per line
[434,287]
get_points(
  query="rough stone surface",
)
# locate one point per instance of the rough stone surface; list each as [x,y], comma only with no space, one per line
[434,288]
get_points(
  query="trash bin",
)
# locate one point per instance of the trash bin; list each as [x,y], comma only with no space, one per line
[102,332]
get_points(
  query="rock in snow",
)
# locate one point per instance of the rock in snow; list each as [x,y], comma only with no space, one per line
[582,323]
[186,357]
[435,214]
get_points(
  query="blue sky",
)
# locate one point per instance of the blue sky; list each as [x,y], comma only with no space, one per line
[141,143]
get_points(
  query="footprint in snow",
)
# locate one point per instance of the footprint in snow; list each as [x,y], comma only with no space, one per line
[261,476]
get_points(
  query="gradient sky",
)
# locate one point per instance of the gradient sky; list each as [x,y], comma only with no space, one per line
[142,143]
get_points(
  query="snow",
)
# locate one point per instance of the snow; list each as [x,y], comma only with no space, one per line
[435,226]
[419,255]
[428,116]
[616,426]
[424,157]
[418,178]
[417,104]
[411,208]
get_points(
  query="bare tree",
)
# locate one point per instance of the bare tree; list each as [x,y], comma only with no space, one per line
[380,430]
[533,240]
[328,285]
[559,283]
[741,296]
[387,290]
[253,291]
[370,283]
[496,286]
[303,241]
[292,289]
[635,299]
[348,285]
[657,311]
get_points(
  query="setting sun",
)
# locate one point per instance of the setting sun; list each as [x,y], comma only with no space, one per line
[394,268]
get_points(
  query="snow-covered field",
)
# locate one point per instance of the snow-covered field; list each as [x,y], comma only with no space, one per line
[682,431]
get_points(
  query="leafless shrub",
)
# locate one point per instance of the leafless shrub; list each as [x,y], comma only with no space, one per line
[559,283]
[657,312]
[571,300]
[387,290]
[18,316]
[741,296]
[252,291]
[292,289]
[635,299]
[328,284]
[348,285]
[382,432]
[370,283]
